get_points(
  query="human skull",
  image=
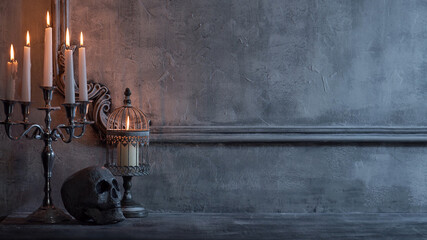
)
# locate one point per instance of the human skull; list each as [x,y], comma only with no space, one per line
[93,195]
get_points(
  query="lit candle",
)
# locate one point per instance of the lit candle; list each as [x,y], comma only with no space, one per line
[26,75]
[82,71]
[69,71]
[128,154]
[47,67]
[12,69]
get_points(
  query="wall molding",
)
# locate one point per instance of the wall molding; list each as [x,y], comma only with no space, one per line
[289,134]
[230,134]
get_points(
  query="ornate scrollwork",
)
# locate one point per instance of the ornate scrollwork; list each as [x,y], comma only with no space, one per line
[141,139]
[143,169]
[100,95]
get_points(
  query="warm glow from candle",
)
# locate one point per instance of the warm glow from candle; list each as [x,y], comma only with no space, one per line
[67,38]
[47,19]
[28,38]
[12,54]
[81,38]
[127,124]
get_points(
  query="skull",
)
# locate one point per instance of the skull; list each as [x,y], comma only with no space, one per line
[92,195]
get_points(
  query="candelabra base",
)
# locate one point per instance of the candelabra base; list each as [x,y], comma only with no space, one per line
[49,215]
[132,209]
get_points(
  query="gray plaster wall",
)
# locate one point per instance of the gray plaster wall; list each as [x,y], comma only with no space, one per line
[243,63]
[268,63]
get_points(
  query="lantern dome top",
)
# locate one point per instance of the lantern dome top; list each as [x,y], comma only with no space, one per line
[127,123]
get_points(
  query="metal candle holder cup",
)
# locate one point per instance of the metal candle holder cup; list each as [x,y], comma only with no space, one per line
[84,109]
[25,110]
[47,213]
[70,109]
[8,109]
[47,94]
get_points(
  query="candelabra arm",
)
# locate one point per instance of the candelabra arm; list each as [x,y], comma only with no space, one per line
[70,130]
[83,127]
[38,130]
[57,133]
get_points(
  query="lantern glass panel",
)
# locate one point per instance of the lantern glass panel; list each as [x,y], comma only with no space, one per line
[127,140]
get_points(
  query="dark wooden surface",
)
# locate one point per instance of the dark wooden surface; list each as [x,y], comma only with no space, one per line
[231,226]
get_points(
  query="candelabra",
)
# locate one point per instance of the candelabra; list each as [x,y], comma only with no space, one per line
[47,213]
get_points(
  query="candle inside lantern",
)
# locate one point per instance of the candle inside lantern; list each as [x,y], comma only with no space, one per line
[26,75]
[128,154]
[82,71]
[47,66]
[69,71]
[12,69]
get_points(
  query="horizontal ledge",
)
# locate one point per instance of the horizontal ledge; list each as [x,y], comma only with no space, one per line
[289,134]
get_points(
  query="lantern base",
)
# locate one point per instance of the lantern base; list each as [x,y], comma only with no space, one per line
[132,209]
[48,214]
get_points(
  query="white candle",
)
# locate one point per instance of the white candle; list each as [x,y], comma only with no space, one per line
[47,67]
[12,69]
[26,75]
[82,71]
[69,71]
[127,155]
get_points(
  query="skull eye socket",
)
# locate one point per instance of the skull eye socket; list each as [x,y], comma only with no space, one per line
[102,187]
[115,184]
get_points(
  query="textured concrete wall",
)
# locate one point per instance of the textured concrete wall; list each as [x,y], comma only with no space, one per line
[262,62]
[245,63]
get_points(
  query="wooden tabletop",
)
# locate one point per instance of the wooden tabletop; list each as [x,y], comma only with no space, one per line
[229,226]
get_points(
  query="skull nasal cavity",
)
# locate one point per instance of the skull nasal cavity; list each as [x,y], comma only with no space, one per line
[102,187]
[114,194]
[115,184]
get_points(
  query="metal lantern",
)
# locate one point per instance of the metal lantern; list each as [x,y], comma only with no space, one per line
[127,152]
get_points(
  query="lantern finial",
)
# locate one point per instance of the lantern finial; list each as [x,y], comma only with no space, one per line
[127,97]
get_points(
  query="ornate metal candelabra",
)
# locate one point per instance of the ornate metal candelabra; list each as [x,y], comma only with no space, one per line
[47,213]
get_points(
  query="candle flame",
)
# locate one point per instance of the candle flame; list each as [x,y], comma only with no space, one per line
[67,38]
[47,19]
[81,38]
[127,123]
[12,54]
[28,38]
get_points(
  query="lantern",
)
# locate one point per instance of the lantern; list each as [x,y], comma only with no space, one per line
[127,150]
